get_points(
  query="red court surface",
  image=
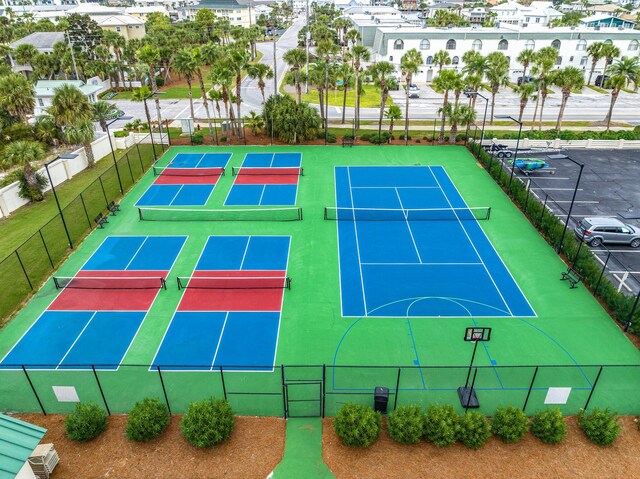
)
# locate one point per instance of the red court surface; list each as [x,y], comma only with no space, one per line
[96,291]
[234,291]
[267,176]
[189,176]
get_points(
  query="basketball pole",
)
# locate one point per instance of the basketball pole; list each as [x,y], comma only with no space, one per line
[475,347]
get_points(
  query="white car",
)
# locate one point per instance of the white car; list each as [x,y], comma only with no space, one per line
[414,91]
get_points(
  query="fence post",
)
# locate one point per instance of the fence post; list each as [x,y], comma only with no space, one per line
[604,267]
[575,258]
[395,401]
[284,392]
[24,270]
[104,193]
[526,201]
[535,373]
[84,207]
[224,386]
[544,207]
[126,155]
[166,398]
[633,310]
[44,243]
[140,158]
[95,374]
[34,390]
[592,389]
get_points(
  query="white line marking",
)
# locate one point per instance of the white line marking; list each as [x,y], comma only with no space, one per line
[406,220]
[136,253]
[264,187]
[395,187]
[246,248]
[355,229]
[76,340]
[176,195]
[424,264]
[215,355]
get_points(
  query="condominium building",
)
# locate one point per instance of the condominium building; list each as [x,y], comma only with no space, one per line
[236,13]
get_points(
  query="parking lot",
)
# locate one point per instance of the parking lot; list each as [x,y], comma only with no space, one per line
[610,186]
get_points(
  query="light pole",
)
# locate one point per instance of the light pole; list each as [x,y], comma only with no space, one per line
[575,192]
[113,153]
[515,155]
[55,195]
[469,94]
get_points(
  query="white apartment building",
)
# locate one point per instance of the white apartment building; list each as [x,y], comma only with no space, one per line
[513,13]
[236,13]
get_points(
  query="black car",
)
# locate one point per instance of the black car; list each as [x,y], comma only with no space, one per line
[527,79]
[601,81]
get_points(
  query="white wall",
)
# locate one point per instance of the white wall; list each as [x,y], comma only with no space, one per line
[26,472]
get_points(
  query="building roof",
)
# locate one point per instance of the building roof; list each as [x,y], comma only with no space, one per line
[18,439]
[40,40]
[94,9]
[607,8]
[219,4]
[116,20]
[144,10]
[603,17]
[46,88]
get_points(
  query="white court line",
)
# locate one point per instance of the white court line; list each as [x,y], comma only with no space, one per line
[176,195]
[246,248]
[552,189]
[224,325]
[395,187]
[264,187]
[76,340]
[355,229]
[616,250]
[424,264]
[136,253]
[472,243]
[273,156]
[200,161]
[415,246]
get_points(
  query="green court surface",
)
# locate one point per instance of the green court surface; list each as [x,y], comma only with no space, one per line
[323,359]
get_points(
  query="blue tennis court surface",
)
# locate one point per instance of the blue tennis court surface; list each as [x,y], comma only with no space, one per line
[272,160]
[84,327]
[200,160]
[394,266]
[231,324]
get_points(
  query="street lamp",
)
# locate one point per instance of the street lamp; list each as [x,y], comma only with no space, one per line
[515,155]
[575,192]
[469,94]
[113,154]
[69,156]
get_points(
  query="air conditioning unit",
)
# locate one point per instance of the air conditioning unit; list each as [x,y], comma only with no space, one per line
[43,460]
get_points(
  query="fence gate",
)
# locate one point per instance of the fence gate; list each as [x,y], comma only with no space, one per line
[303,390]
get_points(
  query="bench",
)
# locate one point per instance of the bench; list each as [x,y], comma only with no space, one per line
[572,276]
[101,220]
[113,207]
[348,142]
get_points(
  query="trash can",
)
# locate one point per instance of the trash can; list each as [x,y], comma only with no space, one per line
[381,399]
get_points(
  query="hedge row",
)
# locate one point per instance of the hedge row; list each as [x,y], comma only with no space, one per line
[360,426]
[564,134]
[550,227]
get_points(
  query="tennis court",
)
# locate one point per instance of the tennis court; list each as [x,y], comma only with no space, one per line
[188,180]
[410,246]
[266,179]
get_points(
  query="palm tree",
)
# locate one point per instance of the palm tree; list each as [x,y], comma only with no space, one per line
[295,57]
[359,54]
[103,111]
[458,114]
[238,59]
[568,79]
[526,92]
[526,58]
[380,73]
[23,54]
[117,43]
[410,64]
[25,153]
[326,49]
[17,96]
[316,75]
[150,56]
[140,94]
[261,71]
[255,122]
[216,96]
[83,132]
[443,83]
[544,60]
[441,58]
[353,37]
[595,52]
[198,62]
[392,114]
[497,69]
[609,52]
[622,72]
[184,64]
[345,73]
[474,66]
[69,105]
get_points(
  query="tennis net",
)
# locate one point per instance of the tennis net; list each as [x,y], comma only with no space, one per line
[96,282]
[171,171]
[426,214]
[231,214]
[254,170]
[234,282]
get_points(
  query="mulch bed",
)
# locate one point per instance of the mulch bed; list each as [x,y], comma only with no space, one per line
[254,450]
[575,458]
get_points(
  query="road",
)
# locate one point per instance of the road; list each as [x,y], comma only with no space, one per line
[588,106]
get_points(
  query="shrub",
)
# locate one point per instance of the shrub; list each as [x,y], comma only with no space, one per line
[405,424]
[28,191]
[197,139]
[601,426]
[147,419]
[120,134]
[440,425]
[331,138]
[348,137]
[365,136]
[510,424]
[473,429]
[207,423]
[417,140]
[378,140]
[357,425]
[549,426]
[159,82]
[224,139]
[403,138]
[86,422]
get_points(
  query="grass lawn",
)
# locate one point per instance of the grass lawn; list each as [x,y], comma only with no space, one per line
[370,98]
[598,89]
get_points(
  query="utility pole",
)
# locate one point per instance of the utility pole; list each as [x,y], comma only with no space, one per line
[73,56]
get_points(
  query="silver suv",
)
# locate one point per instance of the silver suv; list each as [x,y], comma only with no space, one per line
[597,230]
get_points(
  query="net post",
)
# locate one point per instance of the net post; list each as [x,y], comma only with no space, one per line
[35,393]
[139,213]
[55,281]
[163,283]
[223,172]
[288,283]
[533,379]
[489,213]
[299,214]
[301,171]
[95,374]
[179,283]
[326,217]
[224,387]
[395,400]
[284,392]
[164,391]
[593,388]
[324,388]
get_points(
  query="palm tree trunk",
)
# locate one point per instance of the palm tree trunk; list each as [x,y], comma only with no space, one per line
[30,177]
[563,104]
[344,100]
[593,67]
[356,116]
[406,106]
[91,161]
[442,122]
[156,97]
[239,102]
[261,85]
[321,97]
[614,97]
[494,91]
[383,100]
[523,105]
[544,99]
[193,116]
[203,91]
[454,133]
[391,127]
[298,86]
[535,111]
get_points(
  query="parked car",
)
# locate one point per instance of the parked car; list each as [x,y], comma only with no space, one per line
[527,79]
[597,230]
[601,81]
[414,91]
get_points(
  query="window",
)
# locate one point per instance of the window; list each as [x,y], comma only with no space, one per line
[581,46]
[527,19]
[556,44]
[425,45]
[429,60]
[40,102]
[559,61]
[451,44]
[529,45]
[398,45]
[390,58]
[583,61]
[503,45]
[477,45]
[633,46]
[537,19]
[455,60]
[608,42]
[117,29]
[571,59]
